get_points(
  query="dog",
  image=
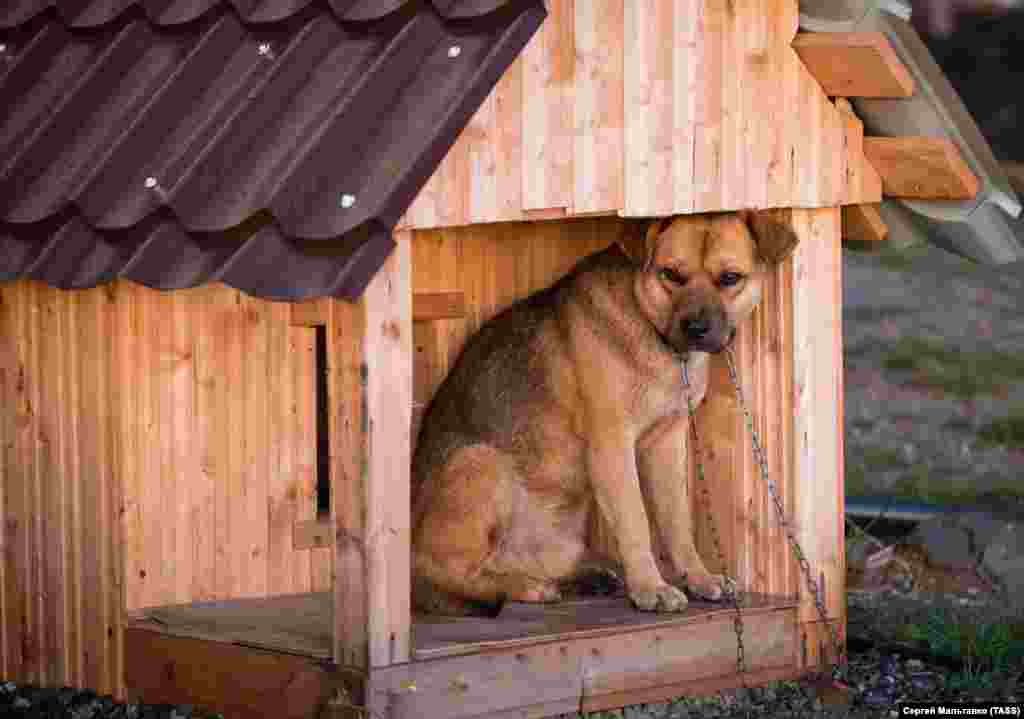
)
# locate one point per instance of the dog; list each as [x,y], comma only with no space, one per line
[557,443]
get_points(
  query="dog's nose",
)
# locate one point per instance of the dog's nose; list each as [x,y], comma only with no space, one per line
[696,328]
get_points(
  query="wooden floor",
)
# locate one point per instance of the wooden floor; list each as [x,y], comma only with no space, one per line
[542,659]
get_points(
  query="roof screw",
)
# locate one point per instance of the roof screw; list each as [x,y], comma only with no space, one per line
[151,182]
[3,48]
[266,50]
[454,51]
[348,200]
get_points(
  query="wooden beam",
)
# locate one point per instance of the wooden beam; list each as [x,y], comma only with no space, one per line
[371,498]
[428,306]
[161,669]
[588,673]
[921,167]
[1015,173]
[854,64]
[312,534]
[862,223]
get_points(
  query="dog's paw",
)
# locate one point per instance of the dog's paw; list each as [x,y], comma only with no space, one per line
[543,592]
[663,598]
[706,586]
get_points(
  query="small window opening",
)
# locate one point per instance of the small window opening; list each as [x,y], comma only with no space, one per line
[323,444]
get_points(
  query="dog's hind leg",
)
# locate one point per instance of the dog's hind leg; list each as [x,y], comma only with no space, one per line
[460,557]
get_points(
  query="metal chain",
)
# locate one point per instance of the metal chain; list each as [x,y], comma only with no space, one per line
[729,587]
[812,584]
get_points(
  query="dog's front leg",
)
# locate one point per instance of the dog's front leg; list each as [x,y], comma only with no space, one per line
[663,465]
[613,473]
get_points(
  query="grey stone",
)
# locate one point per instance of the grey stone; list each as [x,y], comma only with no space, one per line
[981,529]
[1004,561]
[946,543]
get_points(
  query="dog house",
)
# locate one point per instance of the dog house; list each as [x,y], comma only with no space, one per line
[244,241]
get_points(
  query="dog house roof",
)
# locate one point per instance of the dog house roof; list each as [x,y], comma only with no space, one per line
[987,228]
[268,144]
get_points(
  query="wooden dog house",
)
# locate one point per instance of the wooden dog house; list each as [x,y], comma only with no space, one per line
[211,372]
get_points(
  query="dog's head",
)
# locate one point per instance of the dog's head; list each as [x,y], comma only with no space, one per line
[698,276]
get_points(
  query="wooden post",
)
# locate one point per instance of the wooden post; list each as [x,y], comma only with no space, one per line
[371,490]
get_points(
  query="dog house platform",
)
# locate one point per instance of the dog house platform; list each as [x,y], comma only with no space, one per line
[242,246]
[579,655]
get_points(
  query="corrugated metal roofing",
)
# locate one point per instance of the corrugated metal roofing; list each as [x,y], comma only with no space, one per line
[268,144]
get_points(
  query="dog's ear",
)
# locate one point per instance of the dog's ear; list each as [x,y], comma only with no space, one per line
[773,232]
[639,240]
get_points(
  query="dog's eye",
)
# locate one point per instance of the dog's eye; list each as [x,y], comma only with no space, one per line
[728,279]
[667,273]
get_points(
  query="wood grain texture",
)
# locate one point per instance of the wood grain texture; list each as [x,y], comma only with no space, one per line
[598,109]
[921,167]
[591,672]
[163,669]
[548,86]
[818,448]
[648,108]
[854,64]
[863,223]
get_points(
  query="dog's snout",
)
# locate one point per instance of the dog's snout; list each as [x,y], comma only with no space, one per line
[696,327]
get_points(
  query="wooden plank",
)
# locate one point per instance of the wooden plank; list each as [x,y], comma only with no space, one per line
[482,162]
[522,624]
[598,109]
[163,669]
[816,292]
[19,635]
[52,356]
[310,313]
[8,371]
[209,377]
[348,461]
[387,347]
[507,136]
[312,533]
[299,469]
[863,223]
[75,470]
[708,135]
[854,64]
[294,623]
[862,181]
[594,672]
[921,167]
[253,501]
[230,430]
[114,571]
[187,472]
[91,532]
[281,493]
[548,83]
[649,118]
[131,374]
[428,306]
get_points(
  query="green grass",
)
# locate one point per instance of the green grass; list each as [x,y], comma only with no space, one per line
[1008,430]
[986,648]
[961,373]
[901,259]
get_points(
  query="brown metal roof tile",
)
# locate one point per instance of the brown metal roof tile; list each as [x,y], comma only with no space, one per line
[274,156]
[93,13]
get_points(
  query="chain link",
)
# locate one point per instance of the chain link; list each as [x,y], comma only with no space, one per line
[805,567]
[729,586]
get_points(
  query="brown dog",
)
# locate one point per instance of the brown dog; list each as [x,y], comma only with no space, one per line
[564,422]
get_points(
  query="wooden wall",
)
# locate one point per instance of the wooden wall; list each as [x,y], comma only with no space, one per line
[157,448]
[651,107]
[790,360]
[160,447]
